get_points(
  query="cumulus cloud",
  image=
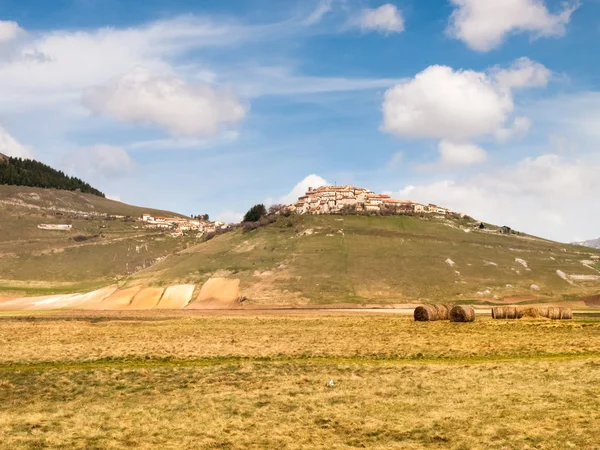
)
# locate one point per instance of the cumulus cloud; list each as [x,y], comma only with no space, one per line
[313,181]
[459,106]
[483,25]
[385,19]
[105,160]
[9,31]
[522,73]
[9,146]
[182,109]
[460,154]
[542,196]
[446,104]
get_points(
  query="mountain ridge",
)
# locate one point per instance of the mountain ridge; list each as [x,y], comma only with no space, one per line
[593,243]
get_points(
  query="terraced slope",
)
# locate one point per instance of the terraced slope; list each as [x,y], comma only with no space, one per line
[399,259]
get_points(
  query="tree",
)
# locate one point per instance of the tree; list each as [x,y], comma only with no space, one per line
[27,172]
[255,213]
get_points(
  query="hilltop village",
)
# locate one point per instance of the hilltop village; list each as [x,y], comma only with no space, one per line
[338,199]
[181,224]
[176,226]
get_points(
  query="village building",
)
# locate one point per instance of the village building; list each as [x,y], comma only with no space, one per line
[179,225]
[336,199]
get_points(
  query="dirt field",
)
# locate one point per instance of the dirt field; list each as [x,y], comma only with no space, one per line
[210,379]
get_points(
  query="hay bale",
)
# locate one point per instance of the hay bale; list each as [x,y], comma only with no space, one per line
[443,311]
[462,313]
[554,313]
[566,313]
[514,312]
[507,312]
[531,312]
[498,312]
[426,313]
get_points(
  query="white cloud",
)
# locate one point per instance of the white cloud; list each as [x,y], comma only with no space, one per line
[544,196]
[52,68]
[460,154]
[9,31]
[182,109]
[522,73]
[519,128]
[459,106]
[484,24]
[278,80]
[395,161]
[11,147]
[228,216]
[185,143]
[105,160]
[313,181]
[385,19]
[446,104]
[323,8]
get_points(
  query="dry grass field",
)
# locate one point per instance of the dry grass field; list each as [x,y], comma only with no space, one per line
[253,380]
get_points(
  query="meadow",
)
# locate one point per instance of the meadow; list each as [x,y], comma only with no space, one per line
[262,380]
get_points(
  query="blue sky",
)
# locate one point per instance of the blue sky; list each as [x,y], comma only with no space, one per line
[490,108]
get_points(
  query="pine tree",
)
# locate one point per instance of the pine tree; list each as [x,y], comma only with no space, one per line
[27,172]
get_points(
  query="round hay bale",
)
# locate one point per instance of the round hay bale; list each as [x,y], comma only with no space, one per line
[462,313]
[498,312]
[507,312]
[566,313]
[515,312]
[531,312]
[429,312]
[426,313]
[554,313]
[544,311]
[443,311]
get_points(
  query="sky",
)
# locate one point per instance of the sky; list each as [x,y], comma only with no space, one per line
[488,107]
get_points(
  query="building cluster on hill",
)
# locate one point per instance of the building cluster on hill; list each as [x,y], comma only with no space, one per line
[337,199]
[181,224]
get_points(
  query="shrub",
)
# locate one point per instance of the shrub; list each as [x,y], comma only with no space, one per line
[255,213]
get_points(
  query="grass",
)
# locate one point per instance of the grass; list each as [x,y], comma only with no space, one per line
[261,381]
[97,253]
[369,260]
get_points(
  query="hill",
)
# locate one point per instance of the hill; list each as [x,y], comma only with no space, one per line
[105,244]
[28,172]
[326,259]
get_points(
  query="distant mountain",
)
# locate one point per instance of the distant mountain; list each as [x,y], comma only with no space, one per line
[28,172]
[594,243]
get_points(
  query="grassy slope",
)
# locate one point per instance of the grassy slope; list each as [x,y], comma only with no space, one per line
[376,260]
[36,261]
[94,384]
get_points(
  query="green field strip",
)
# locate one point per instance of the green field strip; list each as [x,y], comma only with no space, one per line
[150,363]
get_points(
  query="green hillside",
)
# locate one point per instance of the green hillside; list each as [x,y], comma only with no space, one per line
[396,259]
[100,250]
[28,172]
